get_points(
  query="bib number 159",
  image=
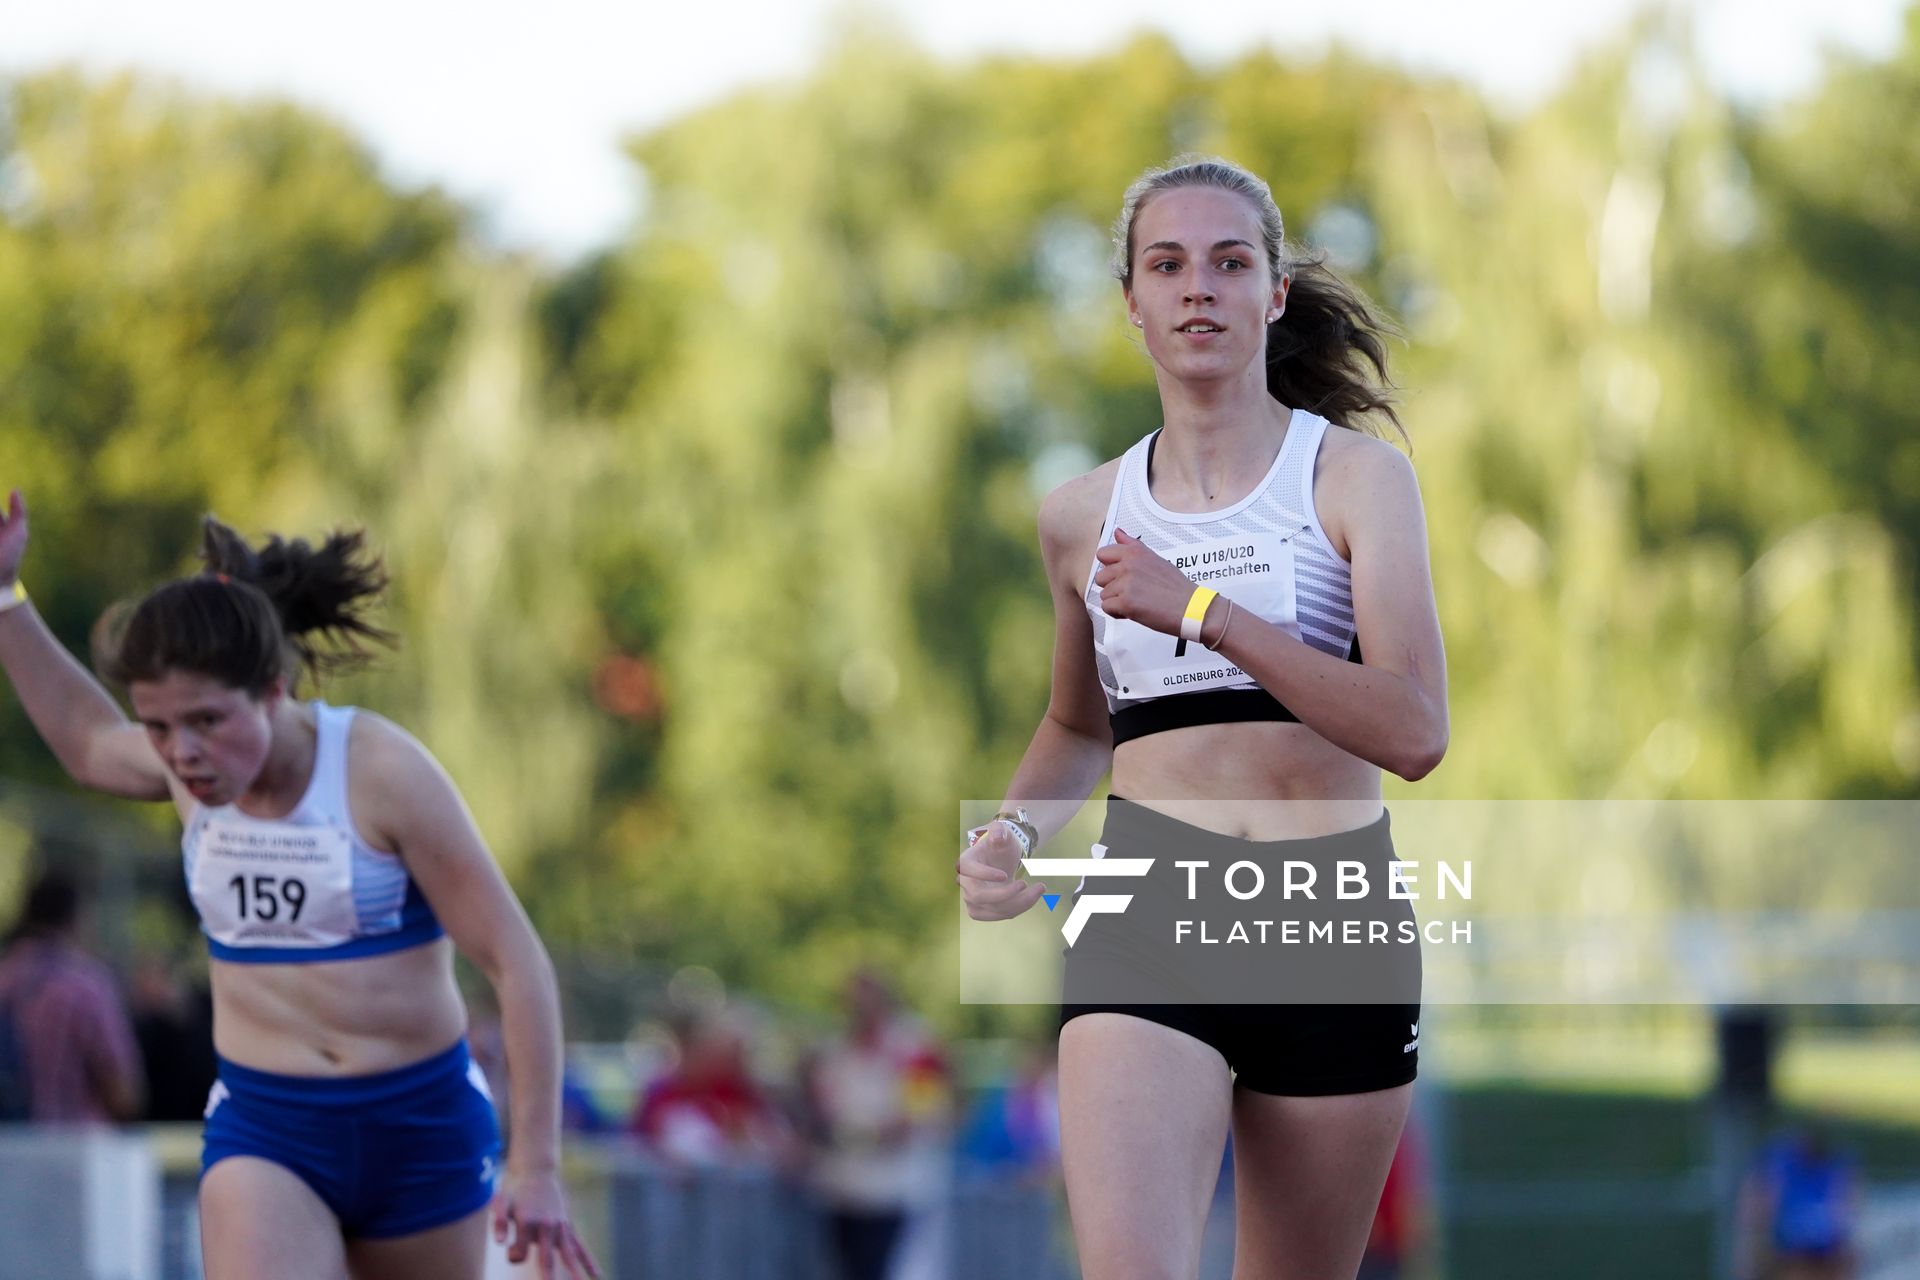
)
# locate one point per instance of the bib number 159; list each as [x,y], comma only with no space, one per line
[265,894]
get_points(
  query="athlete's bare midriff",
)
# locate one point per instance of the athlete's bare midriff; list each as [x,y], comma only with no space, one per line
[338,1017]
[1232,778]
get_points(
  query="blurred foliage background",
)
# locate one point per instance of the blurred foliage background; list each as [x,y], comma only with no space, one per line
[714,553]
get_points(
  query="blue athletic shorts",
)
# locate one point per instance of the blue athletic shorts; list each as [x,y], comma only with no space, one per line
[391,1154]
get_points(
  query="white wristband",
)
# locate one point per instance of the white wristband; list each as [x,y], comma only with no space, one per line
[1019,835]
[12,596]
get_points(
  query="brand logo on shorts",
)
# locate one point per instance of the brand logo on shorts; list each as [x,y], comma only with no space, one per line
[1414,1043]
[486,1170]
[478,1079]
[1089,904]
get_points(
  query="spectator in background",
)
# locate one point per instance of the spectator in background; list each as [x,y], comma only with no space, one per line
[579,1109]
[1013,1128]
[1802,1202]
[877,1097]
[76,1052]
[707,1109]
[173,1024]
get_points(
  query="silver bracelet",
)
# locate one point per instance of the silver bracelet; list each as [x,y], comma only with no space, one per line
[1215,646]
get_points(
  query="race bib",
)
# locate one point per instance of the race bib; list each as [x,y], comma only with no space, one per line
[259,884]
[1255,571]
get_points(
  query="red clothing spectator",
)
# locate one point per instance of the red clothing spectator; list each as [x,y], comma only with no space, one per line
[707,1109]
[696,1118]
[76,1042]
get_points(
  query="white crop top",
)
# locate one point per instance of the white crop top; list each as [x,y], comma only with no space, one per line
[1266,552]
[305,887]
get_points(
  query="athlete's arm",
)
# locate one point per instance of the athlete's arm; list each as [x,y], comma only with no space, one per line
[412,807]
[1390,711]
[1073,746]
[95,743]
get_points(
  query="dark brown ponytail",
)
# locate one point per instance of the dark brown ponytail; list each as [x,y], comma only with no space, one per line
[1319,350]
[253,616]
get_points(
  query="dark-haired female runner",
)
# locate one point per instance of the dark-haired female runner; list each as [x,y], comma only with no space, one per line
[335,868]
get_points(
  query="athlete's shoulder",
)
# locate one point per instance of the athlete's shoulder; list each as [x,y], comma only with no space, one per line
[1353,462]
[1357,449]
[1073,512]
[391,779]
[385,756]
[1362,478]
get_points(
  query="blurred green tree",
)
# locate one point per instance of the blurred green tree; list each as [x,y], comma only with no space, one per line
[714,553]
[181,279]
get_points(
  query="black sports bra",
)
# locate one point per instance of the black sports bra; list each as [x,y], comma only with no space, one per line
[1210,706]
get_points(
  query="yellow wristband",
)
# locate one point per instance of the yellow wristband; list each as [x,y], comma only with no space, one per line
[1196,612]
[12,596]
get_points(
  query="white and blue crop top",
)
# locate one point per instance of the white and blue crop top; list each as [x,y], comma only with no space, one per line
[1266,552]
[305,887]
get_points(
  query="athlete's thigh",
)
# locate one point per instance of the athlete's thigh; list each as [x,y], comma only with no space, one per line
[1144,1110]
[1307,1178]
[453,1251]
[258,1218]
